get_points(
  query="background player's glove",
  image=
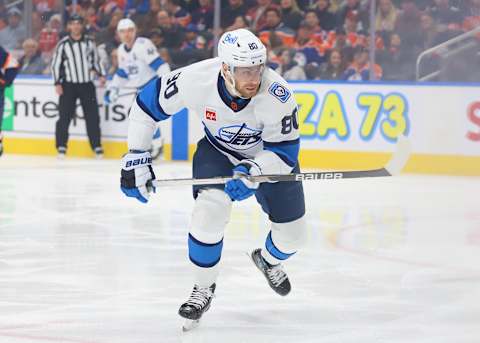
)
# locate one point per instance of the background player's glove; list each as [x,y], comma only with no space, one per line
[137,174]
[240,188]
[111,95]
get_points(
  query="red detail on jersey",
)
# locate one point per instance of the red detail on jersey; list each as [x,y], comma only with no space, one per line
[210,114]
[234,105]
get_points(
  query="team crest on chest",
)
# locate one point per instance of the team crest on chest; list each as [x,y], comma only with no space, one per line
[210,114]
[239,137]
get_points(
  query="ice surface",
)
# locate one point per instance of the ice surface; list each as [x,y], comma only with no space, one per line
[388,260]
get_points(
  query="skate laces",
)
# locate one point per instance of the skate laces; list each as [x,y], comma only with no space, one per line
[200,296]
[276,275]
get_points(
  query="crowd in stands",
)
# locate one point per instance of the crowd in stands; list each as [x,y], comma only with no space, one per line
[307,39]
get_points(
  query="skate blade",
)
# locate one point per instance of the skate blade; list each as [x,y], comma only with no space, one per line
[190,324]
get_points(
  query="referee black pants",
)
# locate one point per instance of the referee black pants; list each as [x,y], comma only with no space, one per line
[88,99]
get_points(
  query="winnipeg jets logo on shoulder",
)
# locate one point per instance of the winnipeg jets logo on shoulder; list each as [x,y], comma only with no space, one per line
[239,137]
[279,92]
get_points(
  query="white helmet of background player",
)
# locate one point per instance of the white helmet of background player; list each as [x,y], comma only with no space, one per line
[241,49]
[127,30]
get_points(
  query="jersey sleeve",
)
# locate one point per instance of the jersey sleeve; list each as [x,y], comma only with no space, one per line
[120,78]
[158,100]
[281,137]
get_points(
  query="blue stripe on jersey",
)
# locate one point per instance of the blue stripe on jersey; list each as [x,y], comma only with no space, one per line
[156,63]
[273,250]
[286,150]
[220,147]
[146,83]
[203,254]
[148,100]
[122,73]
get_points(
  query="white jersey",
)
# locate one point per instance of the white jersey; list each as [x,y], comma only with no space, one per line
[263,129]
[138,65]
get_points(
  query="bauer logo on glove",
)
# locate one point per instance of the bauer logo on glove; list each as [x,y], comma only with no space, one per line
[137,175]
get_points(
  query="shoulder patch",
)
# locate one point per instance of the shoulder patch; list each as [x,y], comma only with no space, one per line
[279,92]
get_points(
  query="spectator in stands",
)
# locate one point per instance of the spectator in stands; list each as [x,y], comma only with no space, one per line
[157,37]
[108,33]
[136,8]
[49,35]
[37,25]
[386,16]
[428,32]
[234,9]
[398,62]
[12,36]
[334,68]
[149,21]
[408,23]
[239,23]
[275,27]
[306,43]
[322,36]
[203,15]
[174,34]
[46,8]
[91,26]
[291,14]
[256,15]
[359,69]
[180,15]
[32,62]
[471,14]
[353,8]
[448,19]
[354,34]
[325,15]
[290,67]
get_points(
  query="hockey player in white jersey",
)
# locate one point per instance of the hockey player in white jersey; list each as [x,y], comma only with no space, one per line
[138,63]
[250,121]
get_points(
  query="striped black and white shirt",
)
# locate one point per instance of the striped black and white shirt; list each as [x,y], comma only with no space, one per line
[76,60]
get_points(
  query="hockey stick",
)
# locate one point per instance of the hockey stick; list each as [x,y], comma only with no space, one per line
[393,167]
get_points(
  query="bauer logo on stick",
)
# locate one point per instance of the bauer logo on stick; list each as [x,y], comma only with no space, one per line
[280,92]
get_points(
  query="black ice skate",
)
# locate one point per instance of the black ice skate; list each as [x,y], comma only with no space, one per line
[198,303]
[275,275]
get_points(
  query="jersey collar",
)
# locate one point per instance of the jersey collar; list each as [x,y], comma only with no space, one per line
[236,104]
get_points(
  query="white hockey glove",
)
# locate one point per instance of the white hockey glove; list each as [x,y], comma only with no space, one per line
[137,175]
[111,95]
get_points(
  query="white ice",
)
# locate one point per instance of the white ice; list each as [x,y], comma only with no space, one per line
[388,260]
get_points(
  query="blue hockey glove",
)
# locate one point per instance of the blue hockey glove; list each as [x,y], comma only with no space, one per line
[240,188]
[137,175]
[111,95]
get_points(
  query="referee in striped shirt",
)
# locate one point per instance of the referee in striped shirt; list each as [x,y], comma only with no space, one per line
[74,64]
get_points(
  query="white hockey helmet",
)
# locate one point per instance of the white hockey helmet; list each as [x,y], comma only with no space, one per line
[125,24]
[241,48]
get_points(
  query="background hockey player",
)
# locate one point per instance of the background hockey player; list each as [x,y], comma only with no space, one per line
[8,70]
[250,119]
[138,63]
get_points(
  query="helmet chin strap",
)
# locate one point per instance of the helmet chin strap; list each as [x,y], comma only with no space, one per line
[230,83]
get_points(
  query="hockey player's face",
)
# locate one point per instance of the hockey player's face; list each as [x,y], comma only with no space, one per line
[247,80]
[127,36]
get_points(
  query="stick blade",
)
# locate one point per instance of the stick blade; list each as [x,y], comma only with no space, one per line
[400,156]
